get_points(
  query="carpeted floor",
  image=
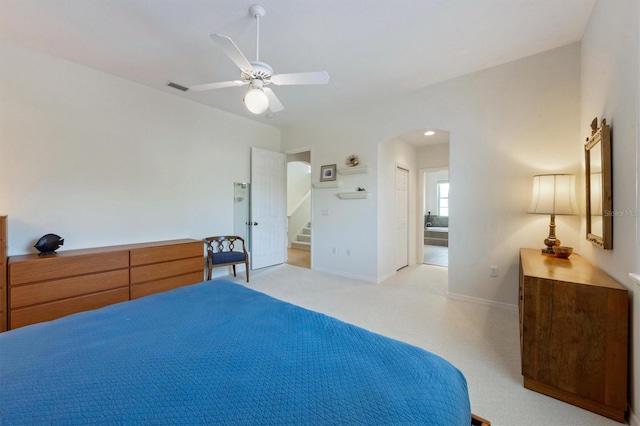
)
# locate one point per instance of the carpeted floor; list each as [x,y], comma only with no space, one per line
[482,341]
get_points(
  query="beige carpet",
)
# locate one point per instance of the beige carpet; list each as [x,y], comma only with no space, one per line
[482,341]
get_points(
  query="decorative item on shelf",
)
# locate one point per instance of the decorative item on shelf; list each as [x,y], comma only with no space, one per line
[553,194]
[361,189]
[353,160]
[48,244]
[328,173]
[562,252]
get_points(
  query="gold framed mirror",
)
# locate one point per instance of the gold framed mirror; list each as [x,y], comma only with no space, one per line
[597,152]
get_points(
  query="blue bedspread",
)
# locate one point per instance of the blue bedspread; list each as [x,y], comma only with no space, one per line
[220,353]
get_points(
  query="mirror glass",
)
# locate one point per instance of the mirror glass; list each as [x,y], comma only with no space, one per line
[598,186]
[241,197]
[595,188]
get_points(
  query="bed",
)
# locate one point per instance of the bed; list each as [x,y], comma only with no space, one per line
[220,353]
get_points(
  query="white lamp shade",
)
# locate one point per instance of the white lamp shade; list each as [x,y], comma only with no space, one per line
[554,194]
[256,100]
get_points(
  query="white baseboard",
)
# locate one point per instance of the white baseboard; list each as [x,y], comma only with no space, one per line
[386,277]
[486,302]
[346,275]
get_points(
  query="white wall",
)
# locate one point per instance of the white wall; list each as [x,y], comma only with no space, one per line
[610,90]
[341,224]
[298,184]
[506,124]
[100,160]
[433,156]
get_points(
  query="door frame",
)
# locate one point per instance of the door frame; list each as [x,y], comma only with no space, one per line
[420,207]
[297,151]
[408,212]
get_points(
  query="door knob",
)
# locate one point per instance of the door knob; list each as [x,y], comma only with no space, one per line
[255,223]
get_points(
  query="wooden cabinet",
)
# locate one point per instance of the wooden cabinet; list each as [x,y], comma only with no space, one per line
[3,273]
[574,332]
[42,288]
[164,267]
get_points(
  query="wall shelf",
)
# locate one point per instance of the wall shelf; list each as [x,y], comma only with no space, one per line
[352,195]
[330,184]
[363,168]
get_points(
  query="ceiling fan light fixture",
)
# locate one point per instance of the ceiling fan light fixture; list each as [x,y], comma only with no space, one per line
[256,100]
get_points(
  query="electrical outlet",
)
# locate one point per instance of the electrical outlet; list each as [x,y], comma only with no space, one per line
[493,271]
[348,252]
[333,250]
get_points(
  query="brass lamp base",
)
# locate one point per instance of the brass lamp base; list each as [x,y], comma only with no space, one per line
[551,240]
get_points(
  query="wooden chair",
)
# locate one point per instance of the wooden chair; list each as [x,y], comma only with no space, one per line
[224,251]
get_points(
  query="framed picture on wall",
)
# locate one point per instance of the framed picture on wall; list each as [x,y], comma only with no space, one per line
[328,173]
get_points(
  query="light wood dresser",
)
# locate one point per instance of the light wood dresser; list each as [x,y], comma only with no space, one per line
[3,273]
[574,332]
[42,288]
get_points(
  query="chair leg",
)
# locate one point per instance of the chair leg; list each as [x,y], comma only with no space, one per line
[234,270]
[246,268]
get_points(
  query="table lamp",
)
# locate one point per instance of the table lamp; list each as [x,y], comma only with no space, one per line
[553,194]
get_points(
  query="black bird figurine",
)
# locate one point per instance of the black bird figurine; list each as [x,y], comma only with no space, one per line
[48,244]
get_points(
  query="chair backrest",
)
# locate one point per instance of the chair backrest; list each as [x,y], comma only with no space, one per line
[224,243]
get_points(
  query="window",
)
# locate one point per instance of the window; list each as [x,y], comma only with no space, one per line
[443,198]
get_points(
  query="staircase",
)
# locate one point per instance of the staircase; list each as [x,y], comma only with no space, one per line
[303,239]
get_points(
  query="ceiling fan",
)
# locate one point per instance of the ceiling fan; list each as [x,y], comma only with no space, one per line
[258,75]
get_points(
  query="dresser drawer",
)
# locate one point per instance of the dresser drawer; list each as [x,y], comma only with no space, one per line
[145,289]
[31,294]
[158,271]
[164,253]
[49,311]
[65,265]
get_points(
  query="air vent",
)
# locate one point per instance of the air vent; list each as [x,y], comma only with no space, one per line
[177,86]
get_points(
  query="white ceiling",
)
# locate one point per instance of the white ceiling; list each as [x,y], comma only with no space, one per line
[372,49]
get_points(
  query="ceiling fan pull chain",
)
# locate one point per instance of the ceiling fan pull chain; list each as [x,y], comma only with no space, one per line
[257,36]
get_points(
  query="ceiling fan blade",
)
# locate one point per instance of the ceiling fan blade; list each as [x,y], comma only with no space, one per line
[220,85]
[318,77]
[227,45]
[274,103]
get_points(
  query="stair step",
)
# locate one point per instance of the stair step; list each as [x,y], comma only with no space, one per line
[303,237]
[301,245]
[306,231]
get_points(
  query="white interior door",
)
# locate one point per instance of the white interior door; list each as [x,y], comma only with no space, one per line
[268,208]
[402,217]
